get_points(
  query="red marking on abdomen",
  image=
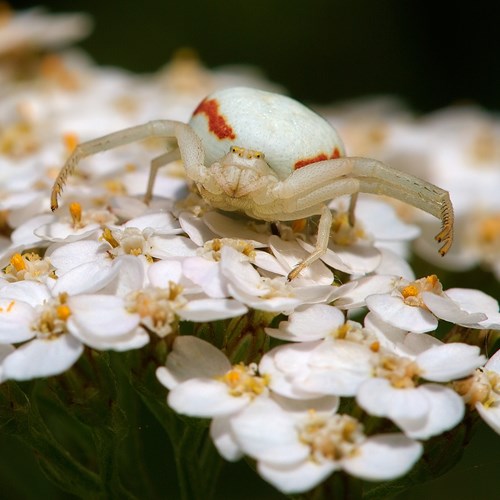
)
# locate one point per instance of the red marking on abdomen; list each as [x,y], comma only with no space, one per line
[320,157]
[216,122]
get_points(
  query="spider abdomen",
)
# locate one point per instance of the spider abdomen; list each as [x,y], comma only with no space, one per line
[288,133]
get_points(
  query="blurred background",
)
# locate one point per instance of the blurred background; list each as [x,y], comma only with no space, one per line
[431,54]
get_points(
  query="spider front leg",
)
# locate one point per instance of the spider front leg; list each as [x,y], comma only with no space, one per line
[323,181]
[305,191]
[189,144]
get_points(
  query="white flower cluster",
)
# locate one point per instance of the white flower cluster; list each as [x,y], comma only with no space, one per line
[108,272]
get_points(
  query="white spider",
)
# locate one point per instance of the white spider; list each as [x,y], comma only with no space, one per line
[273,159]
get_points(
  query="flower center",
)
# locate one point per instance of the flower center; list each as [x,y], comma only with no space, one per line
[402,373]
[157,307]
[330,437]
[354,332]
[211,249]
[51,321]
[342,233]
[411,293]
[28,266]
[243,380]
[482,387]
[129,241]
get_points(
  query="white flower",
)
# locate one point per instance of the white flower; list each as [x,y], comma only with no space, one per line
[53,328]
[482,391]
[335,366]
[267,294]
[203,383]
[86,266]
[418,305]
[295,451]
[420,410]
[79,225]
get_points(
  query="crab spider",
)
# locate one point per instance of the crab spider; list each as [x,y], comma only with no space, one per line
[272,158]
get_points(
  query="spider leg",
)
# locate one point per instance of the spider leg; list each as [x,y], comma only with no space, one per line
[351,216]
[191,150]
[322,239]
[319,182]
[156,163]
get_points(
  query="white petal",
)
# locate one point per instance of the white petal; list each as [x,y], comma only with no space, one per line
[65,232]
[449,361]
[266,432]
[195,228]
[296,478]
[192,357]
[393,263]
[86,278]
[446,409]
[42,358]
[383,457]
[308,323]
[68,256]
[491,415]
[171,246]
[407,406]
[400,342]
[211,310]
[353,294]
[32,292]
[205,398]
[445,308]
[101,316]
[207,274]
[159,222]
[395,312]
[381,220]
[16,318]
[301,408]
[471,300]
[223,438]
[359,258]
[494,362]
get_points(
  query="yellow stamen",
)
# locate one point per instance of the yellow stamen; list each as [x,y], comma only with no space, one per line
[108,236]
[409,291]
[70,141]
[18,262]
[75,209]
[63,312]
[432,279]
[232,377]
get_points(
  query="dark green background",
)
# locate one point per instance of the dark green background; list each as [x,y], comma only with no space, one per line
[430,53]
